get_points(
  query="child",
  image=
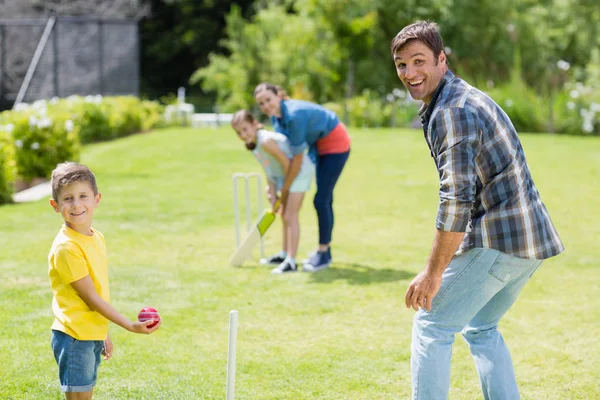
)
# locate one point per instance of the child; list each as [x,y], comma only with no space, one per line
[79,281]
[272,150]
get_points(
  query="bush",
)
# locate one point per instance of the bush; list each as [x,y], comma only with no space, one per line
[527,111]
[46,133]
[370,110]
[7,165]
[43,142]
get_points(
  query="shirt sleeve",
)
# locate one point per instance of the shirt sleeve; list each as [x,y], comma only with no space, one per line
[455,145]
[298,127]
[70,263]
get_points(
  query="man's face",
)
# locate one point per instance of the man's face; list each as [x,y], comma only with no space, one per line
[419,70]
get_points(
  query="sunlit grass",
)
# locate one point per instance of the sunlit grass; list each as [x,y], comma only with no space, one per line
[343,333]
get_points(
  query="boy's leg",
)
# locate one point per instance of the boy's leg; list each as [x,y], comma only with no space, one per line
[466,288]
[292,211]
[492,358]
[78,362]
[79,395]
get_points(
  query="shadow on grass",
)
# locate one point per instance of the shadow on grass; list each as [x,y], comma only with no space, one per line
[359,274]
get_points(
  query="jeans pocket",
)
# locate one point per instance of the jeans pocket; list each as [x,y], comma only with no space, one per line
[501,268]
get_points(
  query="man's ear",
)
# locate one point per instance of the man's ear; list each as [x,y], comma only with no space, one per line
[442,58]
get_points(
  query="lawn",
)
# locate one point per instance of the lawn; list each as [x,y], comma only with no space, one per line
[342,333]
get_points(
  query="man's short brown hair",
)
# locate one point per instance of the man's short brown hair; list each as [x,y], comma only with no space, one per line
[424,31]
[69,172]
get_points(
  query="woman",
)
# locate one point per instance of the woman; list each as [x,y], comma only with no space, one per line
[310,126]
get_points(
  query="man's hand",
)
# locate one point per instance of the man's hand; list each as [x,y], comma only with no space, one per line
[422,290]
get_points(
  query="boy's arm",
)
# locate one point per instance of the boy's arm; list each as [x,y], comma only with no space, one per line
[291,168]
[108,348]
[271,191]
[271,147]
[85,288]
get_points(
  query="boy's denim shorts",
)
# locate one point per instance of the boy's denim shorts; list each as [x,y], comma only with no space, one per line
[77,360]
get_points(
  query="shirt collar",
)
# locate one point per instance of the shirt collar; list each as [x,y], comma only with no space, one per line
[283,110]
[426,109]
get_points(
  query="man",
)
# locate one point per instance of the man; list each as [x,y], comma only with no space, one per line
[492,233]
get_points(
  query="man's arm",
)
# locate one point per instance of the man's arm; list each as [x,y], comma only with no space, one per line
[456,148]
[86,289]
[425,286]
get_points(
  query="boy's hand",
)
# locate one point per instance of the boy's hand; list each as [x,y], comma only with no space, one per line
[107,351]
[142,327]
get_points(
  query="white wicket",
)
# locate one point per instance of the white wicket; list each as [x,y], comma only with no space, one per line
[233,325]
[246,178]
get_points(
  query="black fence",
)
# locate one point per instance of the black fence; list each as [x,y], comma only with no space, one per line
[79,56]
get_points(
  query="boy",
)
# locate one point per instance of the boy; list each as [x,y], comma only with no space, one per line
[79,281]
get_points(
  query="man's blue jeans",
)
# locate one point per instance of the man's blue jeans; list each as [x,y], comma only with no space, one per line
[478,288]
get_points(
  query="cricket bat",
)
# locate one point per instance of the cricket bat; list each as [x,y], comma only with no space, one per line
[253,237]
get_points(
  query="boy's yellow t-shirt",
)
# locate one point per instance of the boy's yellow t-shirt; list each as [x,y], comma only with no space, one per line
[72,257]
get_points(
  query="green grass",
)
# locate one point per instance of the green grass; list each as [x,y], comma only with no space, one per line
[340,334]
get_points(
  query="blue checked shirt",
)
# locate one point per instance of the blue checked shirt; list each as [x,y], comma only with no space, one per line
[486,189]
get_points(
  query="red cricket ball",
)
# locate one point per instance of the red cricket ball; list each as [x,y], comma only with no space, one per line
[149,313]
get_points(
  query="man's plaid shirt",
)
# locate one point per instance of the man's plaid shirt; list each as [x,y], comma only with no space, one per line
[486,189]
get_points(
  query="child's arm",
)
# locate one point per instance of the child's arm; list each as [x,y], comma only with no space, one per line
[85,288]
[271,192]
[271,147]
[108,348]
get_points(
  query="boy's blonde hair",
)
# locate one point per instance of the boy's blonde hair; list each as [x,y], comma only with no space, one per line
[70,172]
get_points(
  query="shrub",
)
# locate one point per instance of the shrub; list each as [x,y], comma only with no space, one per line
[43,142]
[7,165]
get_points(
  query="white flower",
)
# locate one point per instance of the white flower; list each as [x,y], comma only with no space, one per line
[9,128]
[19,143]
[398,93]
[447,50]
[571,105]
[39,105]
[509,103]
[574,94]
[587,126]
[21,107]
[595,107]
[35,145]
[89,98]
[32,121]
[390,97]
[44,123]
[98,98]
[54,100]
[563,65]
[585,114]
[69,125]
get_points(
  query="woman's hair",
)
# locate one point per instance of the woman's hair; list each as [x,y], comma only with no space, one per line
[276,89]
[240,116]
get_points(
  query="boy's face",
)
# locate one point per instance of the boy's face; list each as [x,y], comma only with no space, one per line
[246,131]
[420,70]
[76,203]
